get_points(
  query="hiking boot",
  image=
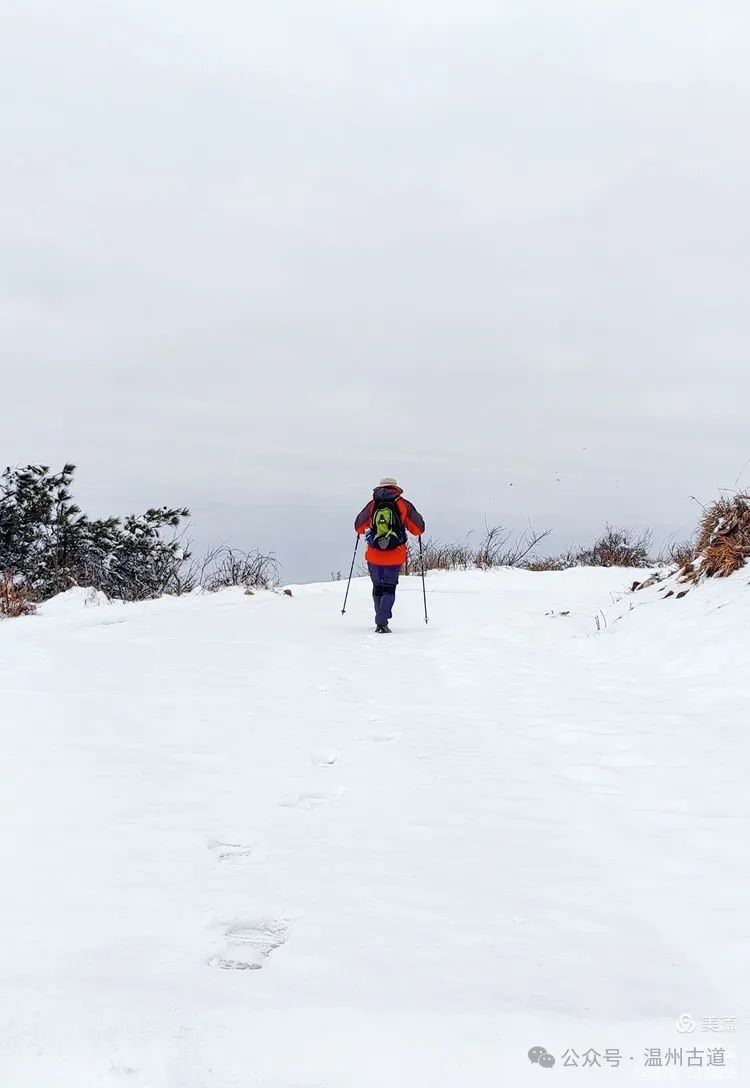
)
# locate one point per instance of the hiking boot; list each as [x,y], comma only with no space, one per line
[382,629]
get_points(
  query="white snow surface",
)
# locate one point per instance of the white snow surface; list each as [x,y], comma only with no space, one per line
[247,842]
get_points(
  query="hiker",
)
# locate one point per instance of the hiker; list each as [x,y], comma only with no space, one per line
[385,520]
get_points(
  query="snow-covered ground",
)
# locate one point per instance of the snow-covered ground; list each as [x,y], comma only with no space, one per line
[246,842]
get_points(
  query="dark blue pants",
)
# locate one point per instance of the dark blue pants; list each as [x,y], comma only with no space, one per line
[384,582]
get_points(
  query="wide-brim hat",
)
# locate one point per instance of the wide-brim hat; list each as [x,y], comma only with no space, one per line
[388,481]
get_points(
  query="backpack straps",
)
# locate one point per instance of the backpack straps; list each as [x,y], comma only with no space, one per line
[363,518]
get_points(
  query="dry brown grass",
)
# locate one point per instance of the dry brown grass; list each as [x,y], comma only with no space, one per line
[499,547]
[677,554]
[723,544]
[14,599]
[438,556]
[561,561]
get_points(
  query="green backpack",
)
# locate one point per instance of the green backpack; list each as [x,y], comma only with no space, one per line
[387,531]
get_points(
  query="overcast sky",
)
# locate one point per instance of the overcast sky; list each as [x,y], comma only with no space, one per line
[255,256]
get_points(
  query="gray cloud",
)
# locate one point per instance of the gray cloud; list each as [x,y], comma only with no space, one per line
[258,255]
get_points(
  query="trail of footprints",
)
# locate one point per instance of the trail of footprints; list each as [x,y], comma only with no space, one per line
[249,944]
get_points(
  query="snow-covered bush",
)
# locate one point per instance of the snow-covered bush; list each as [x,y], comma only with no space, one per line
[617,548]
[613,548]
[560,561]
[51,545]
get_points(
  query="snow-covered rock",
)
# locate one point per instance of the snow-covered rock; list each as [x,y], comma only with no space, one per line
[72,600]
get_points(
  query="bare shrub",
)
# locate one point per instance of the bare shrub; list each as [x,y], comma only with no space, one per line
[225,567]
[14,597]
[498,548]
[723,543]
[501,549]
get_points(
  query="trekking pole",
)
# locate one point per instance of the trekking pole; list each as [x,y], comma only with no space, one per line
[424,591]
[351,571]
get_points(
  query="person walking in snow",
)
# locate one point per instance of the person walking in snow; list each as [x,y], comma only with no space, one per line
[385,521]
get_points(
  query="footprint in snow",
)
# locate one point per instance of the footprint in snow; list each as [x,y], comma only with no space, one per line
[324,759]
[230,851]
[312,800]
[250,944]
[226,964]
[378,736]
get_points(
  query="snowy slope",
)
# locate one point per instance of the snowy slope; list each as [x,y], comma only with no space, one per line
[245,842]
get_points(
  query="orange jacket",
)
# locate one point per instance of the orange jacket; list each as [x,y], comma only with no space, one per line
[411,520]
